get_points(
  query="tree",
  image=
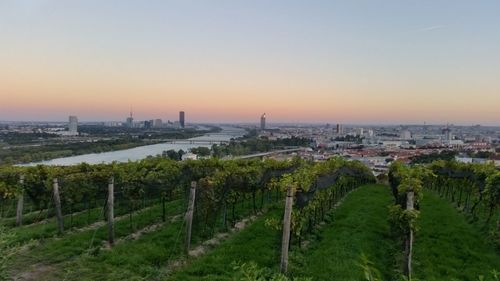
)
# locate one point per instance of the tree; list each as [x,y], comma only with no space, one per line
[201,151]
[172,154]
[492,192]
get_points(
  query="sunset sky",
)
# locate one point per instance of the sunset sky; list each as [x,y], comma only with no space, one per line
[401,61]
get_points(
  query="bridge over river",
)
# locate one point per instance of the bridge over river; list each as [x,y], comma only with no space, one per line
[196,141]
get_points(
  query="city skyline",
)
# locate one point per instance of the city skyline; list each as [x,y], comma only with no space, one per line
[322,62]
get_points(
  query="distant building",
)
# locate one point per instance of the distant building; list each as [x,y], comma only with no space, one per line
[157,123]
[130,121]
[148,124]
[73,125]
[370,133]
[263,122]
[182,119]
[176,124]
[448,136]
[339,129]
[405,135]
[189,156]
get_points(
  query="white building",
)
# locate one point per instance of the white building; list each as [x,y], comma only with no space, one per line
[370,133]
[73,125]
[189,156]
[405,135]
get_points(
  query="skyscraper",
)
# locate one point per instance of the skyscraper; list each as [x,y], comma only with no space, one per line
[73,125]
[339,129]
[182,119]
[130,120]
[263,122]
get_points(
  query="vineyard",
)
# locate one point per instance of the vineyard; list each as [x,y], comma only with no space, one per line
[211,219]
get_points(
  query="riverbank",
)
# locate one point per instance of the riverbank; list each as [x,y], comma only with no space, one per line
[142,151]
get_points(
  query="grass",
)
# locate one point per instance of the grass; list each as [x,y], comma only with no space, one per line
[141,259]
[359,225]
[258,243]
[73,258]
[447,247]
[52,251]
[49,228]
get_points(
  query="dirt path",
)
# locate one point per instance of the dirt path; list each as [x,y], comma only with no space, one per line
[35,272]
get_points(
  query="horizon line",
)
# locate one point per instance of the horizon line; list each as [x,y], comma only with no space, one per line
[276,123]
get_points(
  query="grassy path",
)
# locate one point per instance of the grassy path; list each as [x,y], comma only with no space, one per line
[358,225]
[447,247]
[340,243]
[72,245]
[258,243]
[147,254]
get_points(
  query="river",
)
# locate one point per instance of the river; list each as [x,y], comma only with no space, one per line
[141,152]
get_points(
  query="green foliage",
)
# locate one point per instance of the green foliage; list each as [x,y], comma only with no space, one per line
[492,191]
[403,220]
[250,271]
[255,145]
[7,252]
[9,182]
[446,155]
[473,188]
[173,155]
[371,273]
[481,154]
[318,186]
[448,247]
[201,151]
[358,225]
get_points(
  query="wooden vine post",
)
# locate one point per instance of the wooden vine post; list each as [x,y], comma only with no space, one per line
[57,202]
[410,201]
[189,215]
[20,203]
[110,209]
[286,229]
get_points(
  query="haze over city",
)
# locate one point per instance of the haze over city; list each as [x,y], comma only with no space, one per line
[391,62]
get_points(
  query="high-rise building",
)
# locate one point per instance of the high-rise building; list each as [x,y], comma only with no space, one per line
[130,121]
[339,129]
[182,119]
[263,122]
[73,125]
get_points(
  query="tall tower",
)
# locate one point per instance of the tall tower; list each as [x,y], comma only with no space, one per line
[339,129]
[263,122]
[130,120]
[73,125]
[182,119]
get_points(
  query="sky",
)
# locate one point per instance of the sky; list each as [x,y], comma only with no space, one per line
[387,61]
